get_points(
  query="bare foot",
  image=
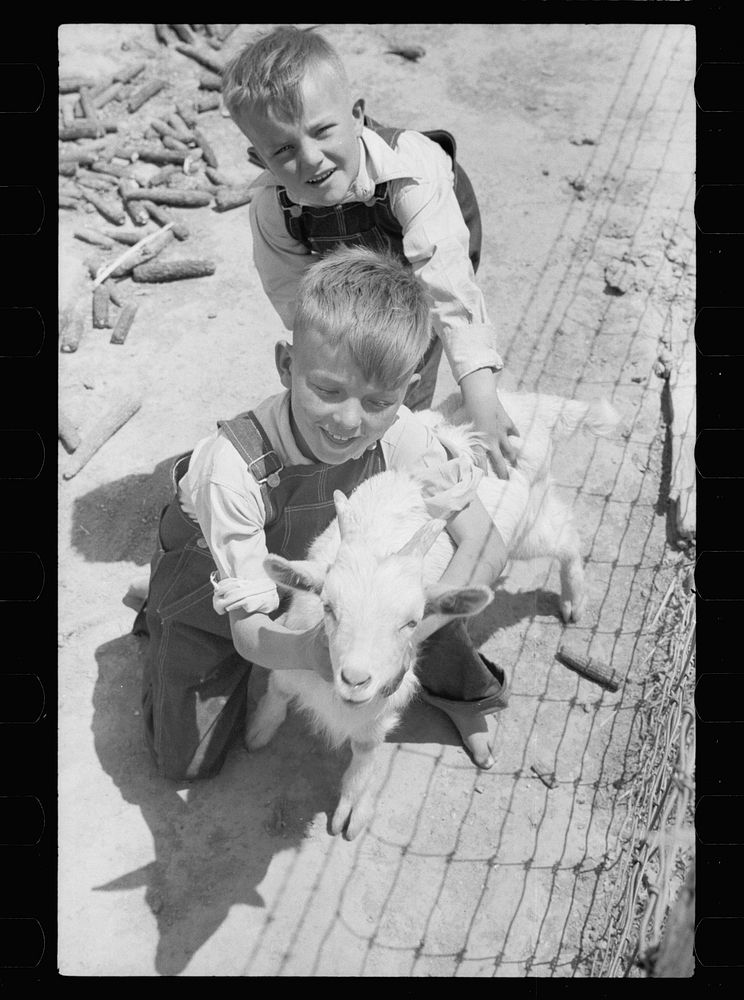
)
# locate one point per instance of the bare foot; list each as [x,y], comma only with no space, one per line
[478,733]
[136,596]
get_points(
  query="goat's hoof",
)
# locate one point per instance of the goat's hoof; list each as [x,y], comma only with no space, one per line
[578,607]
[251,742]
[349,820]
[264,722]
[258,736]
[340,817]
[573,611]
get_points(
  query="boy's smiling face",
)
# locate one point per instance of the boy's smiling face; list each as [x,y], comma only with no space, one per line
[316,156]
[337,413]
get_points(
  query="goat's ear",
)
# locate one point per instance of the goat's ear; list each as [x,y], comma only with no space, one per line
[424,538]
[461,602]
[300,574]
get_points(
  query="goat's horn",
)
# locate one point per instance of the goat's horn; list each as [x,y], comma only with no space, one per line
[423,539]
[343,513]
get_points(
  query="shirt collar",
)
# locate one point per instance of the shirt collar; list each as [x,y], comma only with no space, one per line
[378,163]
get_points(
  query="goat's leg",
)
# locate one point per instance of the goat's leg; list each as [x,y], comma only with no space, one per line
[553,533]
[269,715]
[568,553]
[354,809]
[573,586]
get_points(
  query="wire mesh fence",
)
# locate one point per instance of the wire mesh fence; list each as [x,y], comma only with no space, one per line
[655,841]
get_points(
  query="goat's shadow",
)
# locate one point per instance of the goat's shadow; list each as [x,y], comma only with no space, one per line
[213,845]
[509,608]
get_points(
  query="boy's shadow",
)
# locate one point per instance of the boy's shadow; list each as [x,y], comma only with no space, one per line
[118,521]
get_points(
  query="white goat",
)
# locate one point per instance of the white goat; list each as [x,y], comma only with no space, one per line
[370,578]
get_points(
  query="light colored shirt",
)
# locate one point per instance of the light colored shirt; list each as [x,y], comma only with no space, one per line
[223,496]
[435,241]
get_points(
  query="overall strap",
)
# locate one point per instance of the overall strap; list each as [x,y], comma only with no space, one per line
[287,204]
[292,214]
[443,138]
[385,132]
[254,447]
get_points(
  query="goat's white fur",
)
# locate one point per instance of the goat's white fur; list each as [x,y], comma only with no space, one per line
[379,587]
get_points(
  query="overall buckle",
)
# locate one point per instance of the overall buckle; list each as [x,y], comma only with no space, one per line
[272,475]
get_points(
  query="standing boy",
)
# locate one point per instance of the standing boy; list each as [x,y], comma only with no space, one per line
[264,481]
[336,177]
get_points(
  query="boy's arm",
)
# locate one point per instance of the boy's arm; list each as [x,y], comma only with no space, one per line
[280,260]
[480,556]
[268,643]
[436,242]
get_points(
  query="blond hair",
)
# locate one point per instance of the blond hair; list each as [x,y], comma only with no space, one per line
[370,301]
[268,73]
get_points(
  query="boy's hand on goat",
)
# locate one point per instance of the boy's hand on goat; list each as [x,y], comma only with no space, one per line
[489,417]
[497,427]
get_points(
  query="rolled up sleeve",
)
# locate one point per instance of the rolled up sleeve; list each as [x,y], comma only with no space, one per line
[280,260]
[232,524]
[436,242]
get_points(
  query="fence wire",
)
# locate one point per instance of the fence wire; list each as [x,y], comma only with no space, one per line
[655,840]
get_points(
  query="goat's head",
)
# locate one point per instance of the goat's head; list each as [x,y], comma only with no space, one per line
[376,608]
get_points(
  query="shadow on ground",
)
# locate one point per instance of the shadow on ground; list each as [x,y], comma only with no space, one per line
[118,521]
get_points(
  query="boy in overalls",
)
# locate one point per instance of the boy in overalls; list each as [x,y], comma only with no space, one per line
[335,176]
[264,481]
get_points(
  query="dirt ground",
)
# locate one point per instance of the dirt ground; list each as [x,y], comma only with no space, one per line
[579,140]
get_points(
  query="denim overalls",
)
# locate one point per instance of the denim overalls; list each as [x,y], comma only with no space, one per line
[356,223]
